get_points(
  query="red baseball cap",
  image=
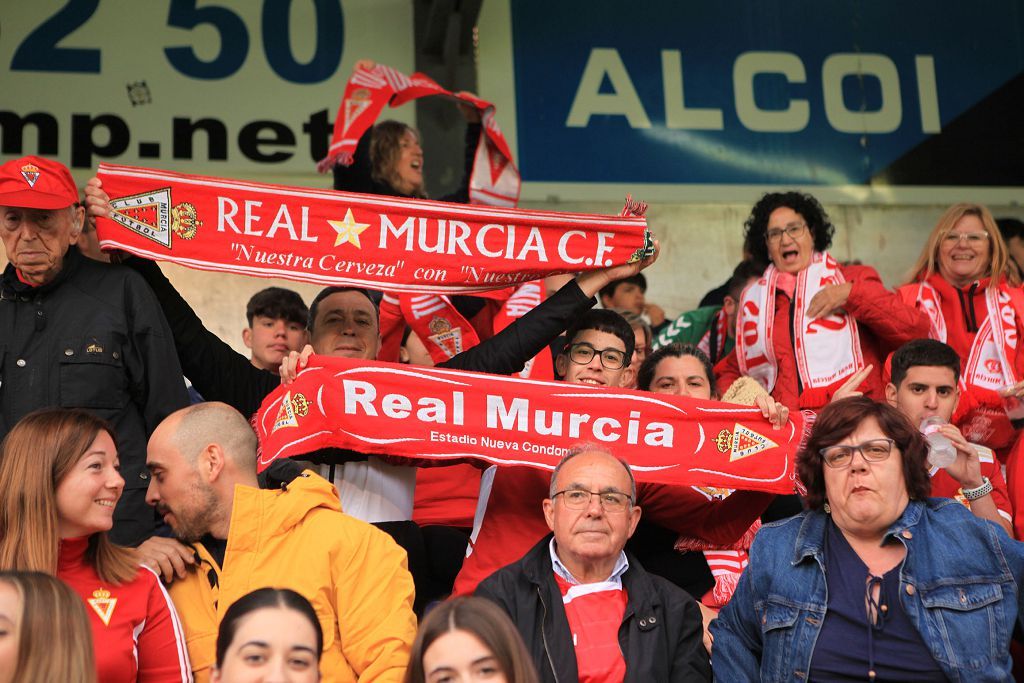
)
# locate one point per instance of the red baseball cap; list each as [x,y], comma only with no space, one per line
[36,183]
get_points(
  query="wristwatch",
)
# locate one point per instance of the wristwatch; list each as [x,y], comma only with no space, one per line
[980,492]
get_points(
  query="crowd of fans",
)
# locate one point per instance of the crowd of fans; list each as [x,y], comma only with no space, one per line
[138,543]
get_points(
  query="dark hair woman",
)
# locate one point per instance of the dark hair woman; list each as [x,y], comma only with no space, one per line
[875,581]
[808,323]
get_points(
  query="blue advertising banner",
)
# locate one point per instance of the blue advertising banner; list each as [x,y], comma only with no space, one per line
[777,92]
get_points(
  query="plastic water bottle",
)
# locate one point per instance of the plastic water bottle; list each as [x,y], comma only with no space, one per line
[941,452]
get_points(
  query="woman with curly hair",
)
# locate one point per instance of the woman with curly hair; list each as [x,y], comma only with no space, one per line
[810,327]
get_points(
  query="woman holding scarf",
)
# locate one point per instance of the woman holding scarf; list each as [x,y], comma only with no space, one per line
[964,283]
[808,323]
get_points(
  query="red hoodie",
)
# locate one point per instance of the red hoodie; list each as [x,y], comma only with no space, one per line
[135,629]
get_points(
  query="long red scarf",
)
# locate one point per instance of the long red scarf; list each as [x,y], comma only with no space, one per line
[341,238]
[827,349]
[495,178]
[429,415]
[989,365]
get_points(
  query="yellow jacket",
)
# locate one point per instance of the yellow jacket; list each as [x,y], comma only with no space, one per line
[354,575]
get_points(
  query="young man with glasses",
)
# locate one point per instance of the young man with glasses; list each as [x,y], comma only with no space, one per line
[508,521]
[579,591]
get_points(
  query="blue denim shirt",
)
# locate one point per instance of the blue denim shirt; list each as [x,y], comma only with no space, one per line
[958,584]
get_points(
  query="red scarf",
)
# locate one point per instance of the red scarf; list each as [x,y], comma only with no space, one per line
[340,238]
[495,178]
[523,300]
[431,415]
[989,363]
[827,349]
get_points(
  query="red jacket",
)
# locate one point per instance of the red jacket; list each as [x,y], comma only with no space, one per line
[513,521]
[884,321]
[135,630]
[964,311]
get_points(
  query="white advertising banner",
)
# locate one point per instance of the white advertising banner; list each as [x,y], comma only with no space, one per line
[234,88]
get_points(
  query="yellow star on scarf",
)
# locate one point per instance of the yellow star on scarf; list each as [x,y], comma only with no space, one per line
[348,230]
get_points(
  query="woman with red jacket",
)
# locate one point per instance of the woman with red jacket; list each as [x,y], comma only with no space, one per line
[964,283]
[60,483]
[808,324]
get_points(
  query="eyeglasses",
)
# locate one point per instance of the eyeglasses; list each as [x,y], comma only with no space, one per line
[579,499]
[794,230]
[973,238]
[582,353]
[840,456]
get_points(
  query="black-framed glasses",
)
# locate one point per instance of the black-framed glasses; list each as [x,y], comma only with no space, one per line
[793,230]
[579,499]
[582,353]
[840,456]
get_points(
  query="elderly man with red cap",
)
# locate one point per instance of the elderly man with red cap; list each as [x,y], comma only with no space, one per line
[77,333]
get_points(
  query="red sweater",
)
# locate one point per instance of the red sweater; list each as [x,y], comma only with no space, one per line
[135,630]
[885,323]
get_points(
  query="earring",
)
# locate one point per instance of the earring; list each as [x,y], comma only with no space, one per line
[827,509]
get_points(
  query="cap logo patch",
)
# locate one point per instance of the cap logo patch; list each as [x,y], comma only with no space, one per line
[30,172]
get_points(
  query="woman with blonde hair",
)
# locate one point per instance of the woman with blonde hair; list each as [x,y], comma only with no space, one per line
[964,283]
[60,482]
[44,632]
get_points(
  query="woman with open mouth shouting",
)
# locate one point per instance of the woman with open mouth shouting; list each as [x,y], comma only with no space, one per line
[60,483]
[964,283]
[811,329]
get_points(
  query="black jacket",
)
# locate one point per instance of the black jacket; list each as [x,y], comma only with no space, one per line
[359,176]
[93,338]
[661,635]
[220,373]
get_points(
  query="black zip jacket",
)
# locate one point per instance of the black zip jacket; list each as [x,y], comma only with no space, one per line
[661,635]
[94,338]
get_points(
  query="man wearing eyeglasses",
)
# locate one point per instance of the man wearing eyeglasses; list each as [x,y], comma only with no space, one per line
[578,591]
[508,520]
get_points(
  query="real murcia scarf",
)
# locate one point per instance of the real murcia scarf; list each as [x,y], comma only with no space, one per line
[827,349]
[339,238]
[988,366]
[495,178]
[423,416]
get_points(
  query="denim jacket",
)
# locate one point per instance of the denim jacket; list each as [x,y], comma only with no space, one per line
[958,585]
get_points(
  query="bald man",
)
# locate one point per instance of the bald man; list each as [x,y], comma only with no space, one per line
[203,465]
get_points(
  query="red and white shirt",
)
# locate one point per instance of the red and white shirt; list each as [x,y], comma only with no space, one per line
[135,629]
[594,612]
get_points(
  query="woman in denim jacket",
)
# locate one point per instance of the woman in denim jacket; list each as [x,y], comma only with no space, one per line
[876,582]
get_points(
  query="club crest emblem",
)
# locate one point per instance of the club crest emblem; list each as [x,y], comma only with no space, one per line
[151,215]
[742,442]
[30,172]
[292,408]
[103,605]
[446,337]
[356,105]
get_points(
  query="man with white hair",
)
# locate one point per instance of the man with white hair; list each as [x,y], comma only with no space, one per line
[578,591]
[80,334]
